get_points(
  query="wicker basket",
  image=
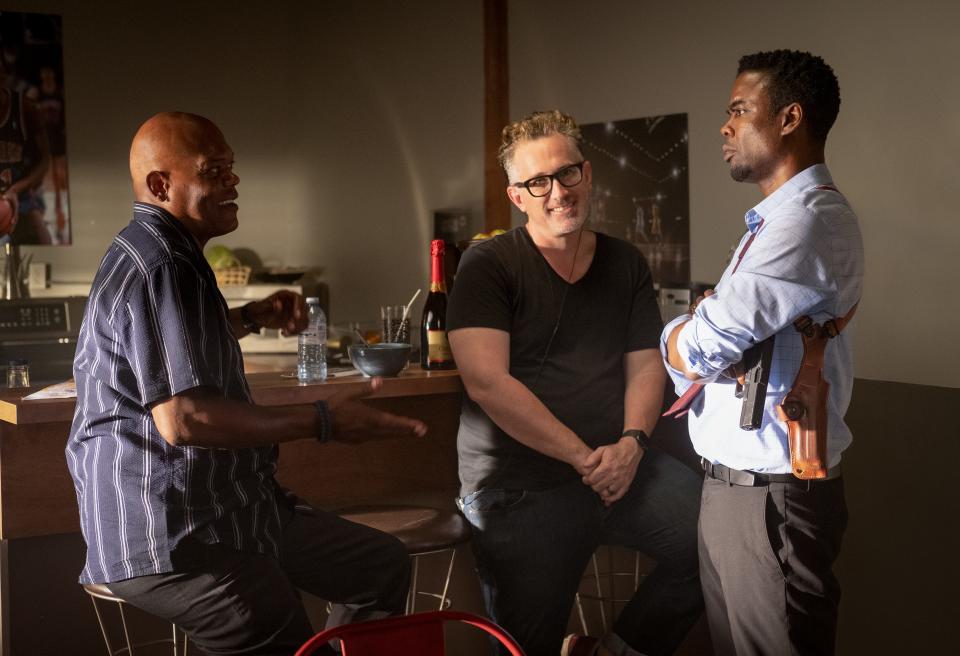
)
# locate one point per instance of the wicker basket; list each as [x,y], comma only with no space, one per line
[235,275]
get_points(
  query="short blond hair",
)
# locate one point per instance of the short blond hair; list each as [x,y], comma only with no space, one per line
[534,126]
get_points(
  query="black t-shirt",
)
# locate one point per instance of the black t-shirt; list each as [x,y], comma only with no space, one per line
[505,283]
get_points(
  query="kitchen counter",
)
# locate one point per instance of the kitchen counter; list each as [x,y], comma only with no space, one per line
[36,491]
[268,386]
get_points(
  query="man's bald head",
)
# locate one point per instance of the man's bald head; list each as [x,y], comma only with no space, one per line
[182,163]
[165,141]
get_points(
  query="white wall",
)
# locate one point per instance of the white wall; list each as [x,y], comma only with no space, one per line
[351,122]
[894,150]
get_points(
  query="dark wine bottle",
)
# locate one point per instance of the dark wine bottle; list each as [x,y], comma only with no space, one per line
[434,348]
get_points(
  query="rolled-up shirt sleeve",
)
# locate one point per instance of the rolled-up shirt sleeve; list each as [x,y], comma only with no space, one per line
[784,275]
[707,349]
[680,382]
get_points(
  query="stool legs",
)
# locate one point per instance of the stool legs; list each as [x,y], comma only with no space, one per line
[411,605]
[103,628]
[446,584]
[423,530]
[129,649]
[610,597]
[599,597]
[596,579]
[412,592]
[442,596]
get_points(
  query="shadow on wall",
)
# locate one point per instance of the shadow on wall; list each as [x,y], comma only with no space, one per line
[898,562]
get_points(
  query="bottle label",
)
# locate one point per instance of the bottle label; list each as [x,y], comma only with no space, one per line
[439,347]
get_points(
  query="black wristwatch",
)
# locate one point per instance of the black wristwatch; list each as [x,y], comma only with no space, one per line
[326,422]
[247,321]
[642,439]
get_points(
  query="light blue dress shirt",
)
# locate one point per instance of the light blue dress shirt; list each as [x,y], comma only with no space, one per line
[806,259]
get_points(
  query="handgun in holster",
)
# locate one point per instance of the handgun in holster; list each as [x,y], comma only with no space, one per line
[804,409]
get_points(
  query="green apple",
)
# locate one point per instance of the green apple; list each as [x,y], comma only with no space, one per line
[220,257]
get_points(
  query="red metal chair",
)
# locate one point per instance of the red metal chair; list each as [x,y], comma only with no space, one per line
[420,634]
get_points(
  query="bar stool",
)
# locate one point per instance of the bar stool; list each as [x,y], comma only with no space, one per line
[423,531]
[606,595]
[102,592]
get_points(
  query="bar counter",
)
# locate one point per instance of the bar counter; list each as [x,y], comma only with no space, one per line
[37,495]
[42,552]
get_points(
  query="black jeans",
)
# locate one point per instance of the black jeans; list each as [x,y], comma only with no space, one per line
[766,559]
[532,547]
[247,603]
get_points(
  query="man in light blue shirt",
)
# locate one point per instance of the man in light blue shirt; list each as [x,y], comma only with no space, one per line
[768,539]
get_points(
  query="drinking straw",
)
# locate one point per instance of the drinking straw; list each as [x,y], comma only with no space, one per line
[406,311]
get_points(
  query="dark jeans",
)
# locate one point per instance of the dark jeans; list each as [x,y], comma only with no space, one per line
[532,547]
[766,559]
[246,603]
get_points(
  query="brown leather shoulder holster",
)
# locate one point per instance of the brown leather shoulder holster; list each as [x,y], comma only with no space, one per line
[804,409]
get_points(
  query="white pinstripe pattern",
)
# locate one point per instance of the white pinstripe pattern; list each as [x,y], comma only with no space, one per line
[155,325]
[807,259]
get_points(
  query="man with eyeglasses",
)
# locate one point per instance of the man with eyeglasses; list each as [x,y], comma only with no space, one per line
[555,331]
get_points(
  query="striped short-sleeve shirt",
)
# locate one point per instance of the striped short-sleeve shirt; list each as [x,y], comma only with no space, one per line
[156,325]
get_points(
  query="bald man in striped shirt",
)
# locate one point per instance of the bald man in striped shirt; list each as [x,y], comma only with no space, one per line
[173,463]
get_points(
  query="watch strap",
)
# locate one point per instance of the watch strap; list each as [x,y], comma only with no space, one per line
[326,424]
[640,436]
[247,321]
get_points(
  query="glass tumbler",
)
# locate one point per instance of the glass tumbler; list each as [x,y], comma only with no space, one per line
[395,327]
[18,374]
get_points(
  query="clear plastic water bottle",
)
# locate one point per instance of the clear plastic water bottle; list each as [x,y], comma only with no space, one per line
[312,351]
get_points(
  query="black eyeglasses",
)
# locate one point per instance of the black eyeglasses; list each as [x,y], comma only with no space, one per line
[542,185]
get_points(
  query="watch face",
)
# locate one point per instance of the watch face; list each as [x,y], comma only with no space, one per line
[639,436]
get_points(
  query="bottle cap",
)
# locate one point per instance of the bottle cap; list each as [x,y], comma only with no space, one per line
[437,247]
[19,362]
[313,299]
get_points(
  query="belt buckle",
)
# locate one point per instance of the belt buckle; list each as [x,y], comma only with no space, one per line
[717,471]
[710,469]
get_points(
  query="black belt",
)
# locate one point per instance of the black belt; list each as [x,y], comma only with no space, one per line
[756,479]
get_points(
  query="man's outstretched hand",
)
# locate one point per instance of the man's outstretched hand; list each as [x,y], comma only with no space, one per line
[354,421]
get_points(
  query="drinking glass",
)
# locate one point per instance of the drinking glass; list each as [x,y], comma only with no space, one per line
[18,374]
[395,327]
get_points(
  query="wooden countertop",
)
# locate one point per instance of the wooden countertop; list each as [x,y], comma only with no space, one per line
[37,496]
[267,388]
